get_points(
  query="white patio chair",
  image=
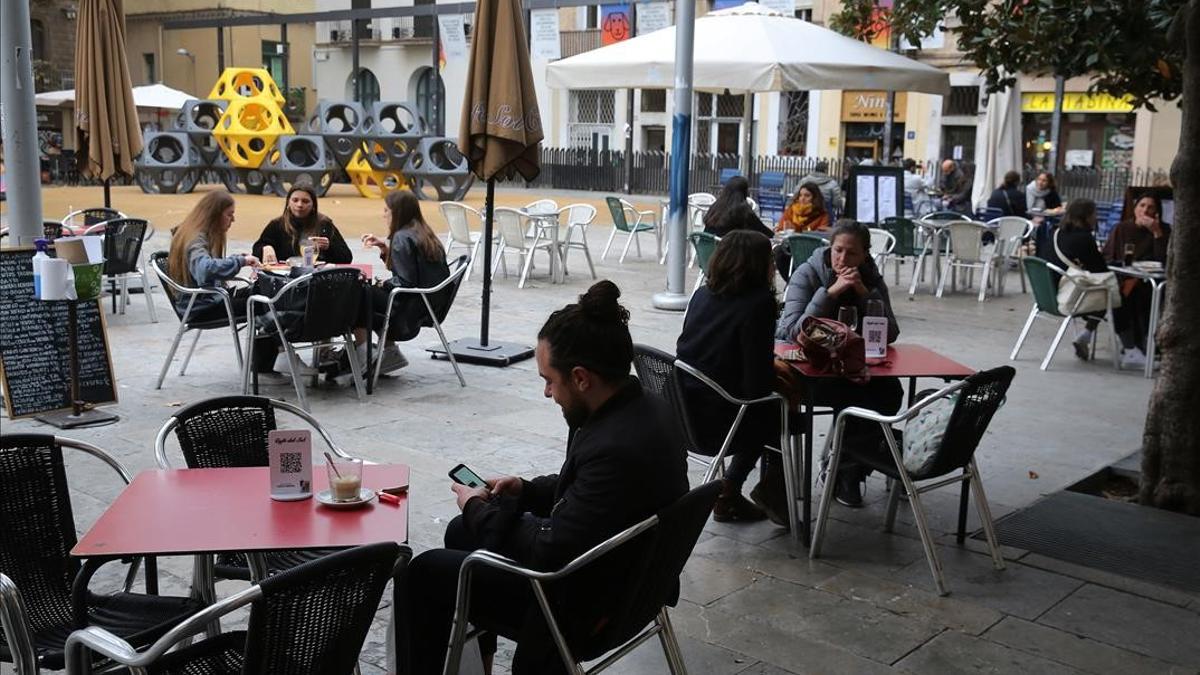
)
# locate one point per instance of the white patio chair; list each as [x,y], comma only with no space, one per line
[458,219]
[1011,232]
[515,238]
[697,207]
[882,245]
[542,206]
[572,219]
[967,251]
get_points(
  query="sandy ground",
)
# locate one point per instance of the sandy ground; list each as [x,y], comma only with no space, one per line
[353,214]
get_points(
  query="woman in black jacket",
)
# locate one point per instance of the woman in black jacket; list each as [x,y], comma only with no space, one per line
[728,335]
[301,225]
[1009,197]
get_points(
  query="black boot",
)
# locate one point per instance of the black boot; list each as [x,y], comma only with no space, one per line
[771,492]
[846,489]
[732,507]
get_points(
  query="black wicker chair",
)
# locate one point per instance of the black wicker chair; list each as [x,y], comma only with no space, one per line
[174,290]
[977,400]
[123,238]
[43,590]
[653,552]
[312,311]
[311,619]
[231,431]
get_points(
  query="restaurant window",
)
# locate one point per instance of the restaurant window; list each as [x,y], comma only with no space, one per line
[795,137]
[962,101]
[804,14]
[654,100]
[718,123]
[433,109]
[423,25]
[590,118]
[37,31]
[148,62]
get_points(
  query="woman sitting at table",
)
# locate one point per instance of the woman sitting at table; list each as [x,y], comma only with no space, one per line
[805,212]
[727,335]
[719,219]
[1042,195]
[197,258]
[416,259]
[839,275]
[1146,237]
[1009,197]
[301,225]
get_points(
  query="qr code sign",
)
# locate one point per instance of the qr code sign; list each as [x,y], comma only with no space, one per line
[289,462]
[875,336]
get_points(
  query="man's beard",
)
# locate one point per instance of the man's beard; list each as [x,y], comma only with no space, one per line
[575,412]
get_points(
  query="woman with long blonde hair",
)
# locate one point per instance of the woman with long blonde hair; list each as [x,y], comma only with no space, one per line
[416,259]
[197,256]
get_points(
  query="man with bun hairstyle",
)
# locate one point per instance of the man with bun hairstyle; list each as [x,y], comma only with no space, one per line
[625,461]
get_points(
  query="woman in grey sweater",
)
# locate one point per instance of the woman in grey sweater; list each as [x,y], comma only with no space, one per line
[197,257]
[416,259]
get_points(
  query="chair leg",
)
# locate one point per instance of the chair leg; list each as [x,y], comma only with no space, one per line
[1024,332]
[1062,328]
[935,564]
[449,353]
[918,266]
[628,240]
[352,355]
[525,270]
[604,256]
[983,279]
[149,299]
[835,457]
[188,358]
[942,282]
[889,520]
[296,383]
[985,516]
[670,644]
[162,374]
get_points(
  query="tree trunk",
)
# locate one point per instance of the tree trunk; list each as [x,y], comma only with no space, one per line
[1171,442]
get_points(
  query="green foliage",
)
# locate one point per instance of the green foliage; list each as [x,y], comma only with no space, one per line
[1124,47]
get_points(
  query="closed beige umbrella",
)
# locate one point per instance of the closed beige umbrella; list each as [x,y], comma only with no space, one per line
[501,126]
[500,132]
[105,116]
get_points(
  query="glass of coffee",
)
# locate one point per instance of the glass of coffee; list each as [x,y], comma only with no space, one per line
[345,478]
[1129,250]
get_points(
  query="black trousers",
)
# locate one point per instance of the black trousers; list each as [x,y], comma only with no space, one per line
[499,604]
[883,395]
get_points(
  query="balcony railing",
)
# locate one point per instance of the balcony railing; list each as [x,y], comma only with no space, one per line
[579,41]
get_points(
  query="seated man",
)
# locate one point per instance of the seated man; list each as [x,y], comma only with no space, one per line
[624,462]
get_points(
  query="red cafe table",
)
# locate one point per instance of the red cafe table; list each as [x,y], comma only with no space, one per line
[902,361]
[207,511]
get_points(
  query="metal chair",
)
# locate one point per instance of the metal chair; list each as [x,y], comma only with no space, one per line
[572,219]
[459,232]
[907,246]
[944,216]
[44,590]
[802,246]
[542,206]
[437,300]
[1011,233]
[967,251]
[174,290]
[698,204]
[1043,282]
[123,239]
[975,401]
[95,215]
[515,238]
[311,619]
[703,246]
[882,244]
[643,221]
[330,300]
[654,552]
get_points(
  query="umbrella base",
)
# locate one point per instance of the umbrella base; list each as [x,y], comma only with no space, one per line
[496,354]
[64,419]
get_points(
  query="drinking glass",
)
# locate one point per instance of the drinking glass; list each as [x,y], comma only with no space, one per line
[849,316]
[345,478]
[1128,260]
[875,308]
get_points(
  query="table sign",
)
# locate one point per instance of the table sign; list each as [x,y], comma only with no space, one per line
[875,330]
[291,464]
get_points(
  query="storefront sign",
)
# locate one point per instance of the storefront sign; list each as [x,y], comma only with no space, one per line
[544,41]
[869,106]
[1075,102]
[653,16]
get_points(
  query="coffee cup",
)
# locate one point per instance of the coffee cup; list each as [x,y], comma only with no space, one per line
[345,479]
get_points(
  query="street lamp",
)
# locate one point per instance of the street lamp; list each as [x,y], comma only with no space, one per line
[183,51]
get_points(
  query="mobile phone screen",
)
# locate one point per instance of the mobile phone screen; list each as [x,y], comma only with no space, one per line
[464,476]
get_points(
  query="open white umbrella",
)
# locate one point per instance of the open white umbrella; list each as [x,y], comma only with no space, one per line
[749,49]
[145,96]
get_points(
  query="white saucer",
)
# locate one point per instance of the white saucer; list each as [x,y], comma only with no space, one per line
[1148,266]
[364,497]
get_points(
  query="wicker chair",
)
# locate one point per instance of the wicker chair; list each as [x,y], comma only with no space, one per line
[43,590]
[123,238]
[311,619]
[231,431]
[976,400]
[655,551]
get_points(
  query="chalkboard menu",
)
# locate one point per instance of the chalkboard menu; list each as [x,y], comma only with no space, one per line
[35,366]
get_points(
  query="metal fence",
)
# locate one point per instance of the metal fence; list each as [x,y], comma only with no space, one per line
[604,171]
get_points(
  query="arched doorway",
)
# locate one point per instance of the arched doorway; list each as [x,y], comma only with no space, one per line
[368,88]
[435,114]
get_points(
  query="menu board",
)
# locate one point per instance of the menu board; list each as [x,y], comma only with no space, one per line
[875,193]
[35,355]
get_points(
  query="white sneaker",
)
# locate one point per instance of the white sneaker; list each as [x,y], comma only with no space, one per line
[1133,359]
[283,365]
[393,358]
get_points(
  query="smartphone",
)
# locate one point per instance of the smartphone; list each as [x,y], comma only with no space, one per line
[464,476]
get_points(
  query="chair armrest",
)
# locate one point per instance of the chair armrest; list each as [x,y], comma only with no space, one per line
[120,651]
[14,625]
[773,396]
[904,415]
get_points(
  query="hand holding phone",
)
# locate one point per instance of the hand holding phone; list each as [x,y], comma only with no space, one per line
[462,475]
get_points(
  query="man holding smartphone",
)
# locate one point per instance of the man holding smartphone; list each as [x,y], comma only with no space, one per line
[625,461]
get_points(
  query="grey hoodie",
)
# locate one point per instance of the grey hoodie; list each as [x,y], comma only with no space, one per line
[807,295]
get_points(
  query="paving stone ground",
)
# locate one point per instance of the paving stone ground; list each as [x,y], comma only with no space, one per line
[748,606]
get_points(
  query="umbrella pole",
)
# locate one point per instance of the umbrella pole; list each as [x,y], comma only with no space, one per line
[107,195]
[489,203]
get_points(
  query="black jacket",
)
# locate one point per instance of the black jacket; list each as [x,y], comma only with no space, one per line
[287,246]
[1079,246]
[624,464]
[731,340]
[1010,201]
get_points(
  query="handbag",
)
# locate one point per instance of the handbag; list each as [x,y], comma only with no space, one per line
[1079,290]
[832,347]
